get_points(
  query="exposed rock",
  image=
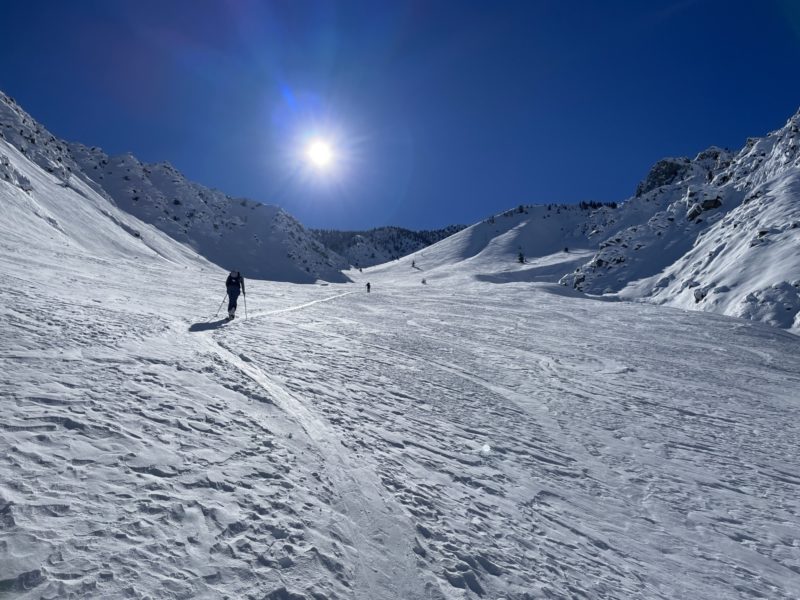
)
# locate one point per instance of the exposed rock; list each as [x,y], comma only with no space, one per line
[664,172]
[711,203]
[694,212]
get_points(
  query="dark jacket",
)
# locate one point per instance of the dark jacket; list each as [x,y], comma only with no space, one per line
[235,283]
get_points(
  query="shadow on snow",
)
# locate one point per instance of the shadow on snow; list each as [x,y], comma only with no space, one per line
[208,325]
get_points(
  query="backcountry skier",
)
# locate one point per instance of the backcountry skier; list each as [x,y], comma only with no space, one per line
[235,284]
[368,287]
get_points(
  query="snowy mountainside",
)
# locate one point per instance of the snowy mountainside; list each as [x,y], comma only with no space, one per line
[34,142]
[745,265]
[261,241]
[60,212]
[551,238]
[726,237]
[658,230]
[382,244]
[425,443]
[718,233]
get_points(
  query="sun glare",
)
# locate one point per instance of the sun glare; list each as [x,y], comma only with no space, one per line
[320,154]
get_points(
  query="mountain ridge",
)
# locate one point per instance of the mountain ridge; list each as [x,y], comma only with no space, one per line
[261,240]
[374,246]
[718,232]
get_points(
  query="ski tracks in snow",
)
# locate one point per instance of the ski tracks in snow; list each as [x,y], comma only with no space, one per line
[373,536]
[531,464]
[136,460]
[305,305]
[423,445]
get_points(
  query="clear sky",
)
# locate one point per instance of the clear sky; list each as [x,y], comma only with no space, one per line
[440,112]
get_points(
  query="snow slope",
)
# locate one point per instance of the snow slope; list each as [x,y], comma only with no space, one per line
[432,441]
[60,214]
[260,240]
[724,235]
[382,244]
[552,240]
[747,263]
[719,233]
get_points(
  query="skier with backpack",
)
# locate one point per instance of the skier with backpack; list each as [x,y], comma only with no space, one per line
[234,284]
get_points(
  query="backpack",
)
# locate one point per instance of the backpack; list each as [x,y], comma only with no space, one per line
[234,279]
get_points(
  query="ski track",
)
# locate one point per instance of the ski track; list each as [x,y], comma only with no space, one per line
[495,443]
[302,306]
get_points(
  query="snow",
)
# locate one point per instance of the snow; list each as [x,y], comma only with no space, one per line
[239,234]
[718,233]
[260,240]
[746,264]
[380,245]
[453,440]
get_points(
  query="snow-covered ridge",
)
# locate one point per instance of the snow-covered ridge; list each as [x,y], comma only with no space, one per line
[58,212]
[34,142]
[719,232]
[724,235]
[382,244]
[662,222]
[262,241]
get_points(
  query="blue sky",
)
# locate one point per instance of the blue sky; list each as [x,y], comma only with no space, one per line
[442,112]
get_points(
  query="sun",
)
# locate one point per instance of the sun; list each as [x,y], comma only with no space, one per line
[320,154]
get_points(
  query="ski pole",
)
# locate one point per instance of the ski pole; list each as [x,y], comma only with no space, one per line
[245,306]
[220,304]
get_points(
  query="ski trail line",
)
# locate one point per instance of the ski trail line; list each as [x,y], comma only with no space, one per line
[361,500]
[299,306]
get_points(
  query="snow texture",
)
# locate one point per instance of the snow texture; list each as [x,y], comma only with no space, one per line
[454,440]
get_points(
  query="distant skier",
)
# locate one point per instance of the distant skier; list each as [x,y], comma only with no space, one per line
[368,287]
[234,284]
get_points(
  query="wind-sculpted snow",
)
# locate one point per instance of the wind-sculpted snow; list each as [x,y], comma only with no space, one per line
[414,442]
